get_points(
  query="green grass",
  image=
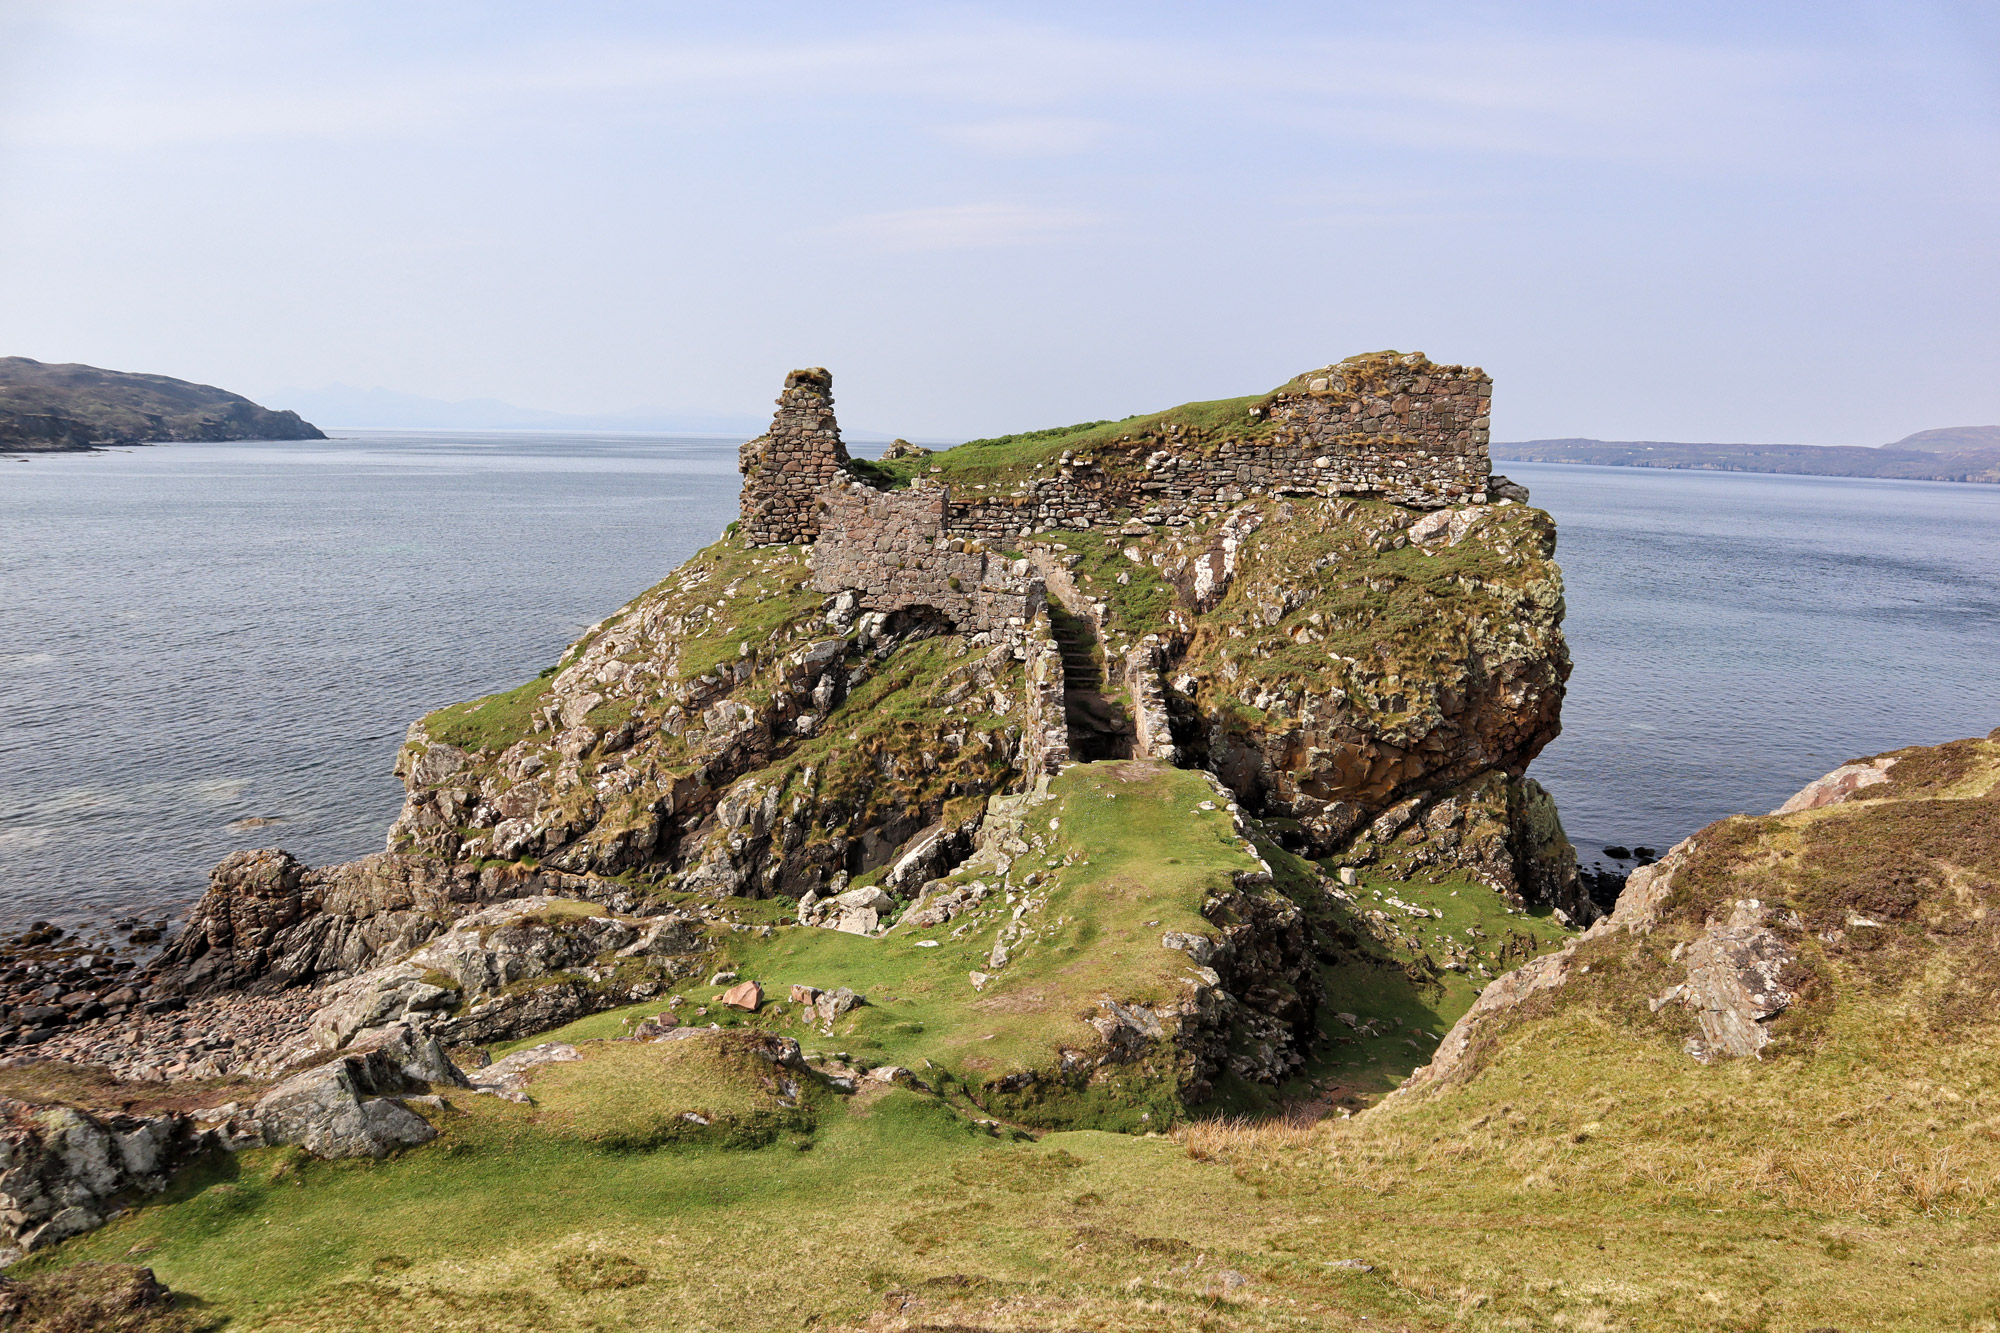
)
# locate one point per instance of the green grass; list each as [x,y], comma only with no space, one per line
[1409,991]
[769,598]
[636,1095]
[1092,937]
[1590,1177]
[1140,605]
[493,723]
[1004,459]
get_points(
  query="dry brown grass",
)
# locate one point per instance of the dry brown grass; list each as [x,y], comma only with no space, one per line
[1240,1139]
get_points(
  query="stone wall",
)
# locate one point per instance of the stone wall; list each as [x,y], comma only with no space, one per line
[1152,732]
[785,470]
[1388,427]
[1045,720]
[891,549]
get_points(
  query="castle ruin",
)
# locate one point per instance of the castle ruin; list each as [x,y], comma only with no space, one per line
[785,469]
[1381,426]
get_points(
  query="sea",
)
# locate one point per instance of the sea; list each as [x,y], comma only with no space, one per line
[207,647]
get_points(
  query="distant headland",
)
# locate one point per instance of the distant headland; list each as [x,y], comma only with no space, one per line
[1957,453]
[50,408]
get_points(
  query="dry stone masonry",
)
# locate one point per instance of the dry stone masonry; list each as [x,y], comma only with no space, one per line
[892,550]
[785,469]
[1384,425]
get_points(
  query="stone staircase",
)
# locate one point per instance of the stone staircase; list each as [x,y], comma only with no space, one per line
[1099,728]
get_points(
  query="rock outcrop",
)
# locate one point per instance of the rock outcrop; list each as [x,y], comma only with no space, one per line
[1735,981]
[1880,875]
[64,1171]
[269,922]
[513,969]
[351,1107]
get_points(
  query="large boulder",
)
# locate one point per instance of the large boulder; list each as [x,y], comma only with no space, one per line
[64,1171]
[347,1107]
[471,984]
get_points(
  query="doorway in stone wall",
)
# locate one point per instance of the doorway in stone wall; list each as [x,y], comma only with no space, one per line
[1100,725]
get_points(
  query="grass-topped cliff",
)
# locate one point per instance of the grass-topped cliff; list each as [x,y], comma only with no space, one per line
[1004,461]
[1335,667]
[47,407]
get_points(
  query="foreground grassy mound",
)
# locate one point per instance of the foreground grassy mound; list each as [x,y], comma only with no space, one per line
[627,1190]
[1580,1169]
[1117,857]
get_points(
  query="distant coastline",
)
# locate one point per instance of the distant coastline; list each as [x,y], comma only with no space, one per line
[70,408]
[1963,454]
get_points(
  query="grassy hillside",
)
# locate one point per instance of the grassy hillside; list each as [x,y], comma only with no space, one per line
[602,1205]
[1586,1173]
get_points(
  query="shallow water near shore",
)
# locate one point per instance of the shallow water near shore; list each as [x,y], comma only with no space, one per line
[210,647]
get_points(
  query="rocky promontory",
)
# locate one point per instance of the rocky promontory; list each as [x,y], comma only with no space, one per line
[49,408]
[1105,777]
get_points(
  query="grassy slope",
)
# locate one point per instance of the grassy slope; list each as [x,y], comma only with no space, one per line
[1398,975]
[1096,932]
[1591,1177]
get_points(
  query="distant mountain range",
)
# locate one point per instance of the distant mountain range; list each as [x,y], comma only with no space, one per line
[385,409]
[48,408]
[1956,453]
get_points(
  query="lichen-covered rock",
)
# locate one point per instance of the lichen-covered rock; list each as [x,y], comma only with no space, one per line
[269,922]
[64,1171]
[347,1107]
[1504,831]
[467,984]
[1839,785]
[1339,673]
[1736,981]
[507,1078]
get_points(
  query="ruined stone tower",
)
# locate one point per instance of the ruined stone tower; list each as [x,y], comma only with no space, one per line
[785,469]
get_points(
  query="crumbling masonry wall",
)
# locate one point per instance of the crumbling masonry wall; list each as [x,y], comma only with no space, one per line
[785,469]
[1390,427]
[890,548]
[1384,425]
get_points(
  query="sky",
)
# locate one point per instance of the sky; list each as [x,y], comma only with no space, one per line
[1766,222]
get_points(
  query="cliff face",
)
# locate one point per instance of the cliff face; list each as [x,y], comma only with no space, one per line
[46,408]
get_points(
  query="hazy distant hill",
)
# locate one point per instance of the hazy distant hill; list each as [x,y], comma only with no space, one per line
[53,407]
[1956,453]
[345,405]
[386,409]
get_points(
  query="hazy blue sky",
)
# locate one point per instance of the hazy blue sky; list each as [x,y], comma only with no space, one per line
[1687,221]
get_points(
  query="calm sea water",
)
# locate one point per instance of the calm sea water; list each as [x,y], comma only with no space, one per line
[196,635]
[1737,635]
